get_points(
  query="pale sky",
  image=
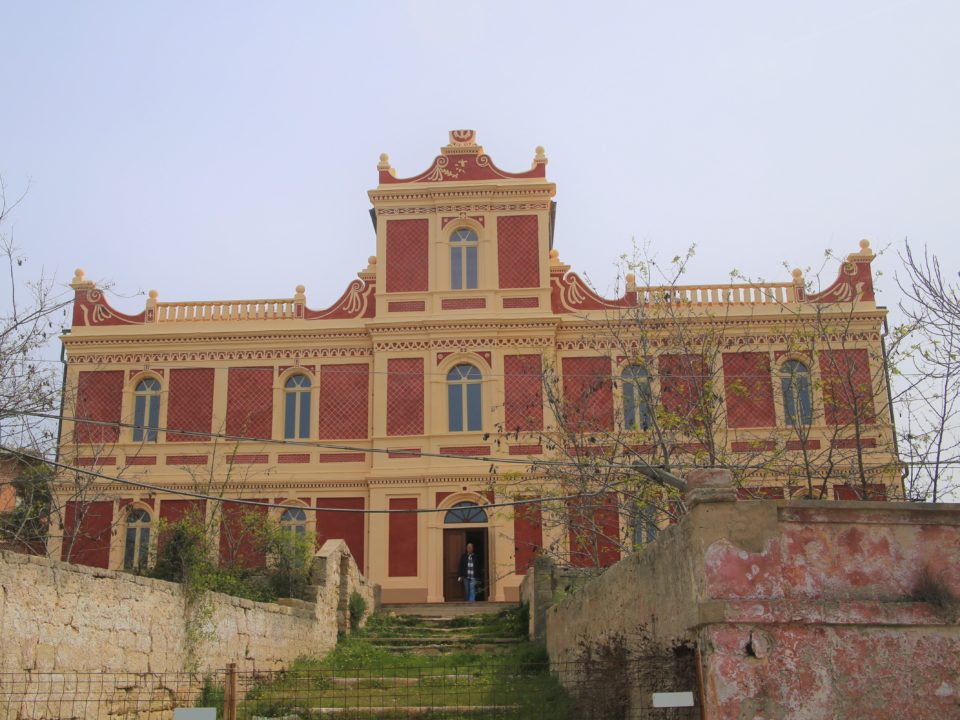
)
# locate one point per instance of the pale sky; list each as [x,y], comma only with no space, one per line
[224,149]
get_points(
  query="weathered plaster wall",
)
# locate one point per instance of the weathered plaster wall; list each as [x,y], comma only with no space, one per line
[796,609]
[58,617]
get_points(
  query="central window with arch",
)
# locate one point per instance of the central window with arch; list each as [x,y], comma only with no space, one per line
[296,408]
[464,398]
[464,249]
[146,410]
[797,399]
[465,512]
[136,545]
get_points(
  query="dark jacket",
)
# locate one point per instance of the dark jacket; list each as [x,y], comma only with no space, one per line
[462,572]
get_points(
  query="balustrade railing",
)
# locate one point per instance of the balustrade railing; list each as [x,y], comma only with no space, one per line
[227,310]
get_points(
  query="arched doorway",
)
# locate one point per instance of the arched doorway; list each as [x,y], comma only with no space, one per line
[465,523]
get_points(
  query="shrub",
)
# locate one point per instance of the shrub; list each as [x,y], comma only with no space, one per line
[357,606]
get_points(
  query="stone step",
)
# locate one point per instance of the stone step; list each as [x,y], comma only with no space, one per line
[446,648]
[408,710]
[446,610]
[454,640]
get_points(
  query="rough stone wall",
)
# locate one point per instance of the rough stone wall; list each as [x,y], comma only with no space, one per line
[58,617]
[792,609]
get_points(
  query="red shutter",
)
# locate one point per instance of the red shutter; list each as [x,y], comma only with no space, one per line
[346,526]
[99,398]
[587,394]
[250,402]
[682,382]
[527,536]
[407,255]
[518,251]
[405,396]
[344,401]
[238,547]
[847,387]
[594,531]
[748,386]
[523,393]
[402,540]
[190,404]
[87,529]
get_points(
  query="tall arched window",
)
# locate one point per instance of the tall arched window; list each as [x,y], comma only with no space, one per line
[146,410]
[463,259]
[463,398]
[637,398]
[296,408]
[465,512]
[136,546]
[797,400]
[294,520]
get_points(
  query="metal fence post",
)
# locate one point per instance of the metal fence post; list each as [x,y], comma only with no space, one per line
[230,693]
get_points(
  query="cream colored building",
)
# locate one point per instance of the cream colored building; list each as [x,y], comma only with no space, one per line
[433,368]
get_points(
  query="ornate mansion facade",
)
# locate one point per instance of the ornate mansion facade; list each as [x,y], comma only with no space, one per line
[465,350]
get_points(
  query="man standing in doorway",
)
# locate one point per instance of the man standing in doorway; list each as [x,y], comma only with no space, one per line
[468,573]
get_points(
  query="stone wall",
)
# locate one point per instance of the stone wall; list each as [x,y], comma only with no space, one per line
[58,617]
[785,609]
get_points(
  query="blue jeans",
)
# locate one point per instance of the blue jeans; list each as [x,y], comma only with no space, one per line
[470,586]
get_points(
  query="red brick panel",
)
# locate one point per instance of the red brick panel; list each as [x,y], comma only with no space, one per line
[521,302]
[87,528]
[847,387]
[173,511]
[402,541]
[341,457]
[99,398]
[463,303]
[286,458]
[867,443]
[527,536]
[346,526]
[874,491]
[594,532]
[405,396]
[587,393]
[526,449]
[190,404]
[238,547]
[407,306]
[344,401]
[748,386]
[250,402]
[518,251]
[682,383]
[523,393]
[407,255]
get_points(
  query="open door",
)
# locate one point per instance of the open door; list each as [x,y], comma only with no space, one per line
[454,545]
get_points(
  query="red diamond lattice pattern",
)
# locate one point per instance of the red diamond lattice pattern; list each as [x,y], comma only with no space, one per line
[518,251]
[588,393]
[407,252]
[250,402]
[99,397]
[190,404]
[748,389]
[344,401]
[847,389]
[523,393]
[405,396]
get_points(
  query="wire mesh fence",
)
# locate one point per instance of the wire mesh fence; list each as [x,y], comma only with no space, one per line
[494,689]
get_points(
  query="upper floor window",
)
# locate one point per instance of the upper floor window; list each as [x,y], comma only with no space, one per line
[146,410]
[637,398]
[296,408]
[797,399]
[294,520]
[463,259]
[463,398]
[136,544]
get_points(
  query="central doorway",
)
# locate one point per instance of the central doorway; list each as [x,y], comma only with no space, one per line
[455,542]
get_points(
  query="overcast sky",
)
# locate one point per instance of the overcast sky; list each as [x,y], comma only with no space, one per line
[224,149]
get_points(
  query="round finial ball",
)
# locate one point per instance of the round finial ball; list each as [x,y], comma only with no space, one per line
[153,294]
[300,289]
[78,272]
[372,260]
[864,244]
[384,158]
[631,278]
[540,150]
[797,273]
[554,254]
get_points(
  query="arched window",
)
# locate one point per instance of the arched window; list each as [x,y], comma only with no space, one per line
[146,410]
[797,400]
[465,512]
[637,398]
[296,408]
[136,544]
[463,398]
[294,520]
[463,259]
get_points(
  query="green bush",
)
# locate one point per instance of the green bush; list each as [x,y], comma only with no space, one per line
[357,606]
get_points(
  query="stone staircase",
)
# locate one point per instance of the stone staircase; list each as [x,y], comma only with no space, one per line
[437,629]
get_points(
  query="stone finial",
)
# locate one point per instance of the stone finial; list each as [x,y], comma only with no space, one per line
[540,156]
[299,295]
[865,252]
[79,281]
[555,257]
[798,276]
[709,485]
[153,295]
[384,164]
[631,282]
